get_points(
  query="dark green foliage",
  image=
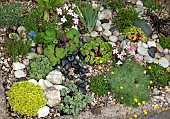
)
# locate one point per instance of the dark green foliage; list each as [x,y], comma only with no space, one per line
[165,42]
[74,100]
[116,5]
[11,14]
[152,5]
[158,74]
[96,51]
[26,98]
[17,46]
[99,85]
[128,82]
[39,67]
[125,17]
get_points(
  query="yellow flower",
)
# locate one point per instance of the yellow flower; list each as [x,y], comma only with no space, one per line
[150,81]
[163,109]
[112,72]
[124,116]
[107,69]
[97,57]
[101,61]
[149,67]
[145,112]
[135,115]
[99,67]
[129,108]
[156,107]
[122,98]
[118,104]
[158,60]
[121,87]
[143,102]
[135,100]
[130,118]
[139,103]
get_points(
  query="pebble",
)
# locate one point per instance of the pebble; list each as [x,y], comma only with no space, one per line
[98,23]
[142,51]
[152,51]
[99,28]
[121,37]
[144,45]
[164,62]
[156,91]
[55,77]
[106,26]
[148,59]
[41,83]
[165,51]
[33,81]
[40,50]
[48,83]
[19,74]
[151,44]
[116,33]
[167,56]
[113,39]
[18,66]
[21,28]
[154,36]
[94,34]
[31,55]
[139,44]
[43,112]
[105,14]
[139,3]
[159,47]
[107,33]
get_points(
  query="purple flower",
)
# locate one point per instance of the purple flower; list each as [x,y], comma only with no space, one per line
[32,33]
[138,58]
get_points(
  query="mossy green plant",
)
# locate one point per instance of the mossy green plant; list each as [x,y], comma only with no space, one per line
[165,42]
[129,84]
[135,34]
[26,98]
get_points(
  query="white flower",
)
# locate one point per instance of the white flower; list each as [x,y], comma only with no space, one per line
[65,6]
[70,12]
[59,11]
[63,19]
[44,111]
[75,27]
[73,6]
[119,62]
[115,51]
[75,15]
[75,21]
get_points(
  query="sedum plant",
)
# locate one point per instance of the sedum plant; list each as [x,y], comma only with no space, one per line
[39,67]
[159,76]
[99,85]
[96,51]
[129,84]
[135,34]
[26,98]
[73,100]
[88,16]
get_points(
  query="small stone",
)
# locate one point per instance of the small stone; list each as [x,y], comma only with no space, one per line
[94,34]
[113,39]
[142,50]
[99,28]
[148,59]
[33,49]
[101,8]
[114,28]
[53,96]
[48,83]
[167,56]
[139,3]
[19,74]
[107,33]
[139,10]
[144,45]
[165,51]
[156,91]
[68,66]
[106,26]
[98,23]
[31,55]
[154,36]
[159,47]
[59,87]
[33,81]
[20,29]
[168,69]
[40,50]
[85,38]
[105,14]
[121,37]
[151,44]
[18,66]
[43,112]
[116,33]
[133,1]
[26,62]
[123,44]
[55,77]
[41,83]
[94,6]
[168,98]
[157,55]
[139,44]
[164,62]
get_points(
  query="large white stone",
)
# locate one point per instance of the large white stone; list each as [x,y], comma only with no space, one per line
[151,44]
[18,66]
[164,62]
[144,45]
[44,111]
[41,83]
[55,77]
[33,81]
[142,51]
[19,74]
[148,59]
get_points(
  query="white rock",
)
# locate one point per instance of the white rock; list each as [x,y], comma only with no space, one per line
[99,28]
[26,62]
[59,87]
[18,66]
[101,8]
[33,81]
[44,111]
[123,44]
[164,62]
[142,51]
[94,6]
[144,45]
[48,83]
[148,59]
[156,91]
[139,44]
[139,3]
[116,33]
[113,39]
[21,28]
[19,74]
[55,77]
[41,83]
[168,98]
[94,34]
[107,33]
[33,44]
[52,96]
[154,36]
[98,23]
[159,47]
[31,55]
[105,14]
[166,51]
[151,44]
[106,26]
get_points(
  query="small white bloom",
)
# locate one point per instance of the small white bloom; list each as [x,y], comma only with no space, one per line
[70,12]
[63,19]
[65,6]
[119,62]
[75,15]
[73,6]
[44,111]
[75,27]
[75,21]
[59,11]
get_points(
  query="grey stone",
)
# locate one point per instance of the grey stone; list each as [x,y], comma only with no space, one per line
[121,37]
[55,77]
[41,83]
[18,66]
[31,55]
[21,29]
[106,26]
[48,83]
[142,50]
[151,44]
[94,34]
[113,39]
[33,81]
[107,33]
[40,50]
[164,62]
[19,74]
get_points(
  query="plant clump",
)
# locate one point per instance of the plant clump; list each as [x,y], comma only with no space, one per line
[39,67]
[26,98]
[165,42]
[96,51]
[129,84]
[135,34]
[99,85]
[159,76]
[73,100]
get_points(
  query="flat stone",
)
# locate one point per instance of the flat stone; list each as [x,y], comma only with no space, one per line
[59,87]
[107,33]
[148,59]
[152,51]
[159,47]
[19,74]
[139,44]
[167,56]
[40,50]
[142,51]
[166,51]
[18,66]
[48,83]
[99,28]
[154,36]
[55,77]
[113,39]
[44,111]
[94,34]
[21,28]
[106,26]
[151,44]
[33,81]
[31,55]
[41,83]
[144,45]
[164,62]
[139,3]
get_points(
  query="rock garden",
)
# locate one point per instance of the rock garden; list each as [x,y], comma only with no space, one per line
[65,59]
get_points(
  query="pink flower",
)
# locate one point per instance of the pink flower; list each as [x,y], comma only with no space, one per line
[75,15]
[115,51]
[73,6]
[63,19]
[121,57]
[130,48]
[75,21]
[59,23]
[70,12]
[138,58]
[59,11]
[123,53]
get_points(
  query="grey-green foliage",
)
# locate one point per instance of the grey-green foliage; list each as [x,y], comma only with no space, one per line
[11,14]
[74,100]
[39,67]
[88,16]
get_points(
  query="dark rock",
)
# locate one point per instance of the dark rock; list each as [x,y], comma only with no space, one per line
[104,21]
[114,28]
[83,76]
[10,30]
[65,72]
[145,27]
[76,66]
[152,51]
[68,66]
[105,7]
[96,111]
[79,82]
[64,62]
[82,31]
[82,89]
[105,38]
[70,58]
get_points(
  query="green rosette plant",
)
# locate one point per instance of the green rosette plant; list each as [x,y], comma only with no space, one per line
[129,84]
[96,51]
[26,98]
